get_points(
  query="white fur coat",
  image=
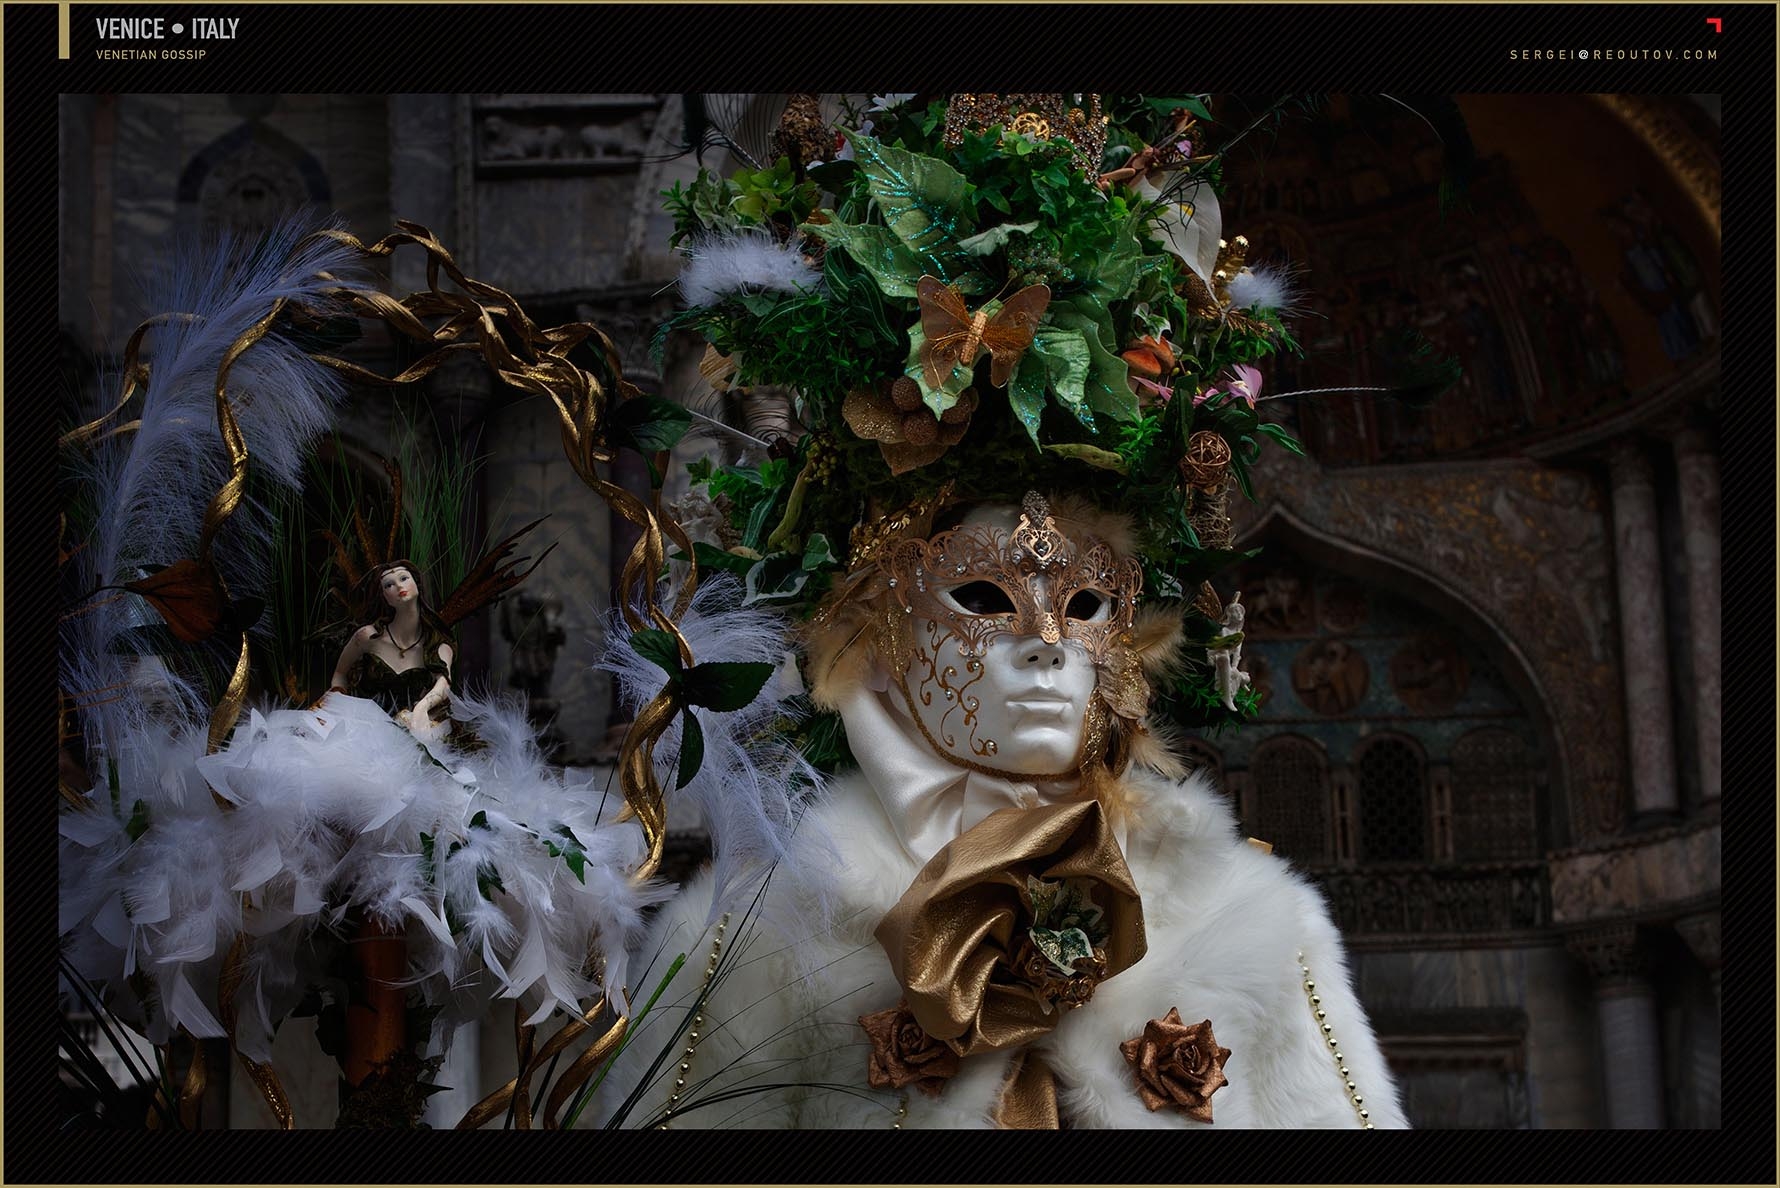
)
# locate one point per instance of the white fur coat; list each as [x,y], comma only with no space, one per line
[780,1045]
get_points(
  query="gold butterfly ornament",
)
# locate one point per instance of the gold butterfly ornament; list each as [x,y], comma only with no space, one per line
[956,336]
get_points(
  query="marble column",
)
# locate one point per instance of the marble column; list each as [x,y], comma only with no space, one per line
[1644,653]
[1696,466]
[1631,1038]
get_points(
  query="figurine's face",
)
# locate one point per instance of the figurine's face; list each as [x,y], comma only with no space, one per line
[399,587]
[1010,624]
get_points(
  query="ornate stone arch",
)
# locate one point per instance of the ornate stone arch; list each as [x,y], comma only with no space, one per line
[1278,524]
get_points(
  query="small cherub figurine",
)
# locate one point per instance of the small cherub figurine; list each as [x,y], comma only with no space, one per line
[402,658]
[1225,653]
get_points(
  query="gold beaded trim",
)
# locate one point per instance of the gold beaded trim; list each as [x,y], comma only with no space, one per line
[1328,1030]
[698,1021]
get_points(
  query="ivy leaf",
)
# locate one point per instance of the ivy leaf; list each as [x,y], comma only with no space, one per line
[692,749]
[775,576]
[658,647]
[724,685]
[649,424]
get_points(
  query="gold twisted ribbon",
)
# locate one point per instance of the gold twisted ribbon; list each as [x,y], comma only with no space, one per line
[538,362]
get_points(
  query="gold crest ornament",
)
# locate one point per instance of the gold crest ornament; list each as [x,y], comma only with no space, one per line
[956,336]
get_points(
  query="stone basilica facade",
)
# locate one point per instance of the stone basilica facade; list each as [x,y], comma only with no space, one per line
[1487,633]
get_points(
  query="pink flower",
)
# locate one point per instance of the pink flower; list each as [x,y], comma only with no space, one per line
[1245,383]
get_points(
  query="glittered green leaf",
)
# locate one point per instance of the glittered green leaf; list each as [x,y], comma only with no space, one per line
[1066,359]
[920,197]
[876,249]
[1063,947]
[1026,392]
[1107,387]
[946,395]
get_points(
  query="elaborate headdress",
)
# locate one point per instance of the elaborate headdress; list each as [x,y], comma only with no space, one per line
[983,296]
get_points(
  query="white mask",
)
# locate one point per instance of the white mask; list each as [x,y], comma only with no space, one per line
[1009,622]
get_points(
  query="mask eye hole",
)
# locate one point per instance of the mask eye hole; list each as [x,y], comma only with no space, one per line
[981,598]
[1088,606]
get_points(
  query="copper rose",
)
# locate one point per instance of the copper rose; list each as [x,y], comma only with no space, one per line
[1177,1064]
[955,939]
[902,1054]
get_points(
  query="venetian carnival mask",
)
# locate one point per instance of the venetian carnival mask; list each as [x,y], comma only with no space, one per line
[1014,641]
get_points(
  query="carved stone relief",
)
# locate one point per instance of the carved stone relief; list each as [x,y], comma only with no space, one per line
[1429,674]
[1523,544]
[1329,677]
[562,134]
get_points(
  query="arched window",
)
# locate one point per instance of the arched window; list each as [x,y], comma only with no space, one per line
[1492,798]
[1393,802]
[1289,787]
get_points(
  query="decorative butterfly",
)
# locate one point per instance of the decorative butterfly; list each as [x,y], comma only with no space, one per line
[955,335]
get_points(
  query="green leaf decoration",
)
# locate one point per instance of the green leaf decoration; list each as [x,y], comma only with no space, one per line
[1278,433]
[894,265]
[1026,392]
[920,197]
[649,424]
[946,395]
[724,685]
[817,552]
[1092,455]
[1062,947]
[658,647]
[692,749]
[995,238]
[1107,388]
[1066,358]
[774,578]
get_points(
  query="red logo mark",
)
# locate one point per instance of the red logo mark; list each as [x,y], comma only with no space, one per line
[1717,24]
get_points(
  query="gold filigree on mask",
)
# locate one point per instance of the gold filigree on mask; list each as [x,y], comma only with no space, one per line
[1037,572]
[1038,569]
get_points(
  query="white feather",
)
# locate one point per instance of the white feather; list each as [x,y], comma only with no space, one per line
[1265,286]
[754,782]
[752,262]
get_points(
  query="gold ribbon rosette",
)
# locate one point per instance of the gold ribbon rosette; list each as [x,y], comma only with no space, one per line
[1012,923]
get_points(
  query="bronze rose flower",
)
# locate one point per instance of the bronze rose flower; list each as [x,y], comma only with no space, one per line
[902,1054]
[1177,1064]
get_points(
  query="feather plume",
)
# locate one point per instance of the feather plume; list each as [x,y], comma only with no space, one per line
[149,488]
[753,262]
[1266,286]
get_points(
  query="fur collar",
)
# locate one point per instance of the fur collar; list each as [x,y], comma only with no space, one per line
[1225,923]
